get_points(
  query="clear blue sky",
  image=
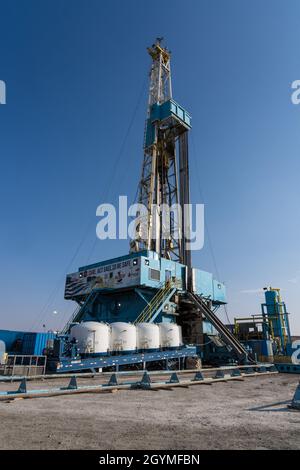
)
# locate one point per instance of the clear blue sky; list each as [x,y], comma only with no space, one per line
[75,73]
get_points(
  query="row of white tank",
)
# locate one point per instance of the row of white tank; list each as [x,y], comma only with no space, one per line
[94,337]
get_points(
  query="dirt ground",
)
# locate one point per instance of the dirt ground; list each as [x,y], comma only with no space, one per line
[252,414]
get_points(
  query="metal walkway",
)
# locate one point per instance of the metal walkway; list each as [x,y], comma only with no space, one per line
[226,335]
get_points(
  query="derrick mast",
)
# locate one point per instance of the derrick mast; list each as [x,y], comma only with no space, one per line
[164,227]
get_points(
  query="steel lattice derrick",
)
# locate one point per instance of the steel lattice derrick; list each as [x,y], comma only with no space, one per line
[158,228]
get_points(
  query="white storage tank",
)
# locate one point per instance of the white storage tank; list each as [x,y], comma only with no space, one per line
[93,337]
[122,337]
[170,335]
[147,336]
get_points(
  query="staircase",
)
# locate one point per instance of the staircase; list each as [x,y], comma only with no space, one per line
[226,335]
[155,306]
[79,311]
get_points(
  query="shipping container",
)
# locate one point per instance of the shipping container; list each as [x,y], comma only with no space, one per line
[22,342]
[35,343]
[12,340]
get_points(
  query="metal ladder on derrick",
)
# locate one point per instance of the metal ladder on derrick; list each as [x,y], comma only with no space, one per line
[155,306]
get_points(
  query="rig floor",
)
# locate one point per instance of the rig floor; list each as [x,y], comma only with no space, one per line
[252,414]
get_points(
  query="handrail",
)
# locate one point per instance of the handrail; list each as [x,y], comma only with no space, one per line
[77,311]
[153,303]
[147,313]
[227,336]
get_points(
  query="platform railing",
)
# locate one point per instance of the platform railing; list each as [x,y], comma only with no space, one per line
[156,302]
[25,365]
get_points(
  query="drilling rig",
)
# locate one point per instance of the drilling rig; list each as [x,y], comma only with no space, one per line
[154,288]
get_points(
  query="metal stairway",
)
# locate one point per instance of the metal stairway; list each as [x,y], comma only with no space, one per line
[79,311]
[155,306]
[226,335]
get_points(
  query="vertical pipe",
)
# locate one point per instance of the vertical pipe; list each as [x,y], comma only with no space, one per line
[184,202]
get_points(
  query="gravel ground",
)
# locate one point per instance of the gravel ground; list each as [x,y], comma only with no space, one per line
[249,414]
